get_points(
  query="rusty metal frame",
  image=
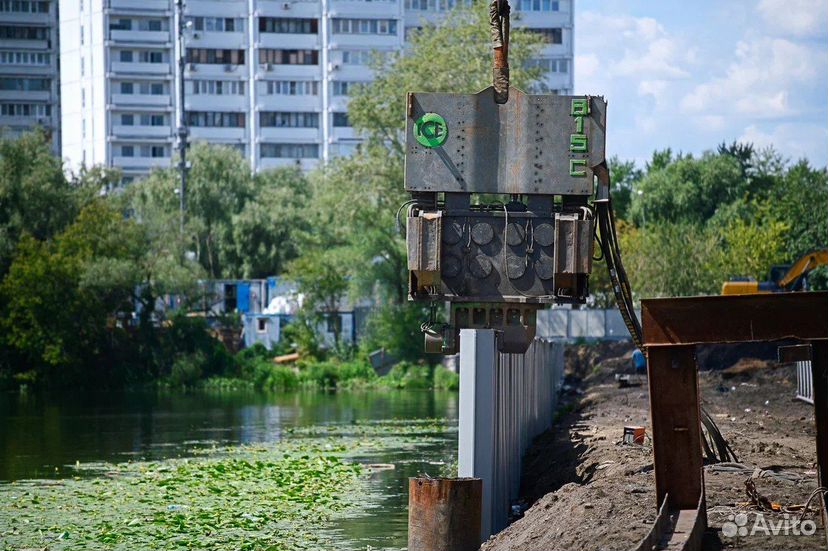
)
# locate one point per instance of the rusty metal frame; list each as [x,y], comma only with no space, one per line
[672,328]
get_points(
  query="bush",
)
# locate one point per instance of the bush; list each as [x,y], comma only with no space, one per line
[186,370]
[410,376]
[445,379]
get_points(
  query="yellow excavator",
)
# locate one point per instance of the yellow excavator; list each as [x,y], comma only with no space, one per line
[783,278]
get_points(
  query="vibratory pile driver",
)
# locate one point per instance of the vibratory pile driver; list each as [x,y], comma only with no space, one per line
[509,192]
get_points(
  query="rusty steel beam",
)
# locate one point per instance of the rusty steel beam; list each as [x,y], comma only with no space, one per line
[819,369]
[794,353]
[657,530]
[735,318]
[444,514]
[674,410]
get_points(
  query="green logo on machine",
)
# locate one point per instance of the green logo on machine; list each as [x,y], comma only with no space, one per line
[431,130]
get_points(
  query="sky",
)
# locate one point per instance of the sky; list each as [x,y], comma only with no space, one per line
[691,75]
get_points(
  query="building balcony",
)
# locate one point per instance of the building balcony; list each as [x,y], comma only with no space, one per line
[38,45]
[380,41]
[343,8]
[344,133]
[48,71]
[288,103]
[266,71]
[292,41]
[124,68]
[27,96]
[338,71]
[219,40]
[288,8]
[216,8]
[153,7]
[141,100]
[218,134]
[211,102]
[153,38]
[269,163]
[140,164]
[338,103]
[200,70]
[289,135]
[28,18]
[121,132]
[25,122]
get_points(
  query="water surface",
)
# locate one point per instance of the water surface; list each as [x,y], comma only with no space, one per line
[43,436]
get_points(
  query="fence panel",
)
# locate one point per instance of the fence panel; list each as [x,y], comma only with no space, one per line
[505,401]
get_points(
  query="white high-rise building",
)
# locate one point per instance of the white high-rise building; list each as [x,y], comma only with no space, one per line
[29,67]
[268,77]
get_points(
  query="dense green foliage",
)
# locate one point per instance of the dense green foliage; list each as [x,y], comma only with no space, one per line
[688,224]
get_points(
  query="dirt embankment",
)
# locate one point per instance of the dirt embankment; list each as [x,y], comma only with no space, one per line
[589,491]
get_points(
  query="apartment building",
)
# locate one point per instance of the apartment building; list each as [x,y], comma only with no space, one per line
[270,78]
[29,68]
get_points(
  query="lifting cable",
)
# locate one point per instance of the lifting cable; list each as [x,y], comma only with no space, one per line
[716,448]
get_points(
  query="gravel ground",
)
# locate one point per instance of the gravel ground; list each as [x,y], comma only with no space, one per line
[591,492]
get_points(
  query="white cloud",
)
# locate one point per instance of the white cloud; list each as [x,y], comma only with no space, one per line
[802,18]
[632,46]
[759,82]
[794,140]
[587,65]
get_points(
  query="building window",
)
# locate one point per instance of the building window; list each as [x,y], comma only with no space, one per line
[550,65]
[364,26]
[215,56]
[25,84]
[430,5]
[125,56]
[288,25]
[289,57]
[290,150]
[215,119]
[126,88]
[285,119]
[25,110]
[341,120]
[120,24]
[217,87]
[127,151]
[292,87]
[24,58]
[10,32]
[127,119]
[152,25]
[155,151]
[151,56]
[217,24]
[261,325]
[358,57]
[342,87]
[22,6]
[539,5]
[550,36]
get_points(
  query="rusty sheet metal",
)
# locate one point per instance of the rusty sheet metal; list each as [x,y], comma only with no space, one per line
[794,353]
[819,368]
[674,410]
[735,318]
[657,530]
[687,529]
[522,146]
[444,514]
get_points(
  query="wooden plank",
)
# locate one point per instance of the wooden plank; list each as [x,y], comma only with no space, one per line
[735,318]
[674,410]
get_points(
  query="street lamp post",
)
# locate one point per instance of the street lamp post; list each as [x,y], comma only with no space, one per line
[182,120]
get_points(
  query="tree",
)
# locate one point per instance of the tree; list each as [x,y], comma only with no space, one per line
[35,198]
[237,224]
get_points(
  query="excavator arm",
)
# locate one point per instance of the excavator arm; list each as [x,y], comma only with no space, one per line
[802,266]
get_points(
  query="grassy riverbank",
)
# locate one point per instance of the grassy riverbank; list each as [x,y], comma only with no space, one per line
[254,368]
[276,497]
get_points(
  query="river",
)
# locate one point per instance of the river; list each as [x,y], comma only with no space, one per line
[44,436]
